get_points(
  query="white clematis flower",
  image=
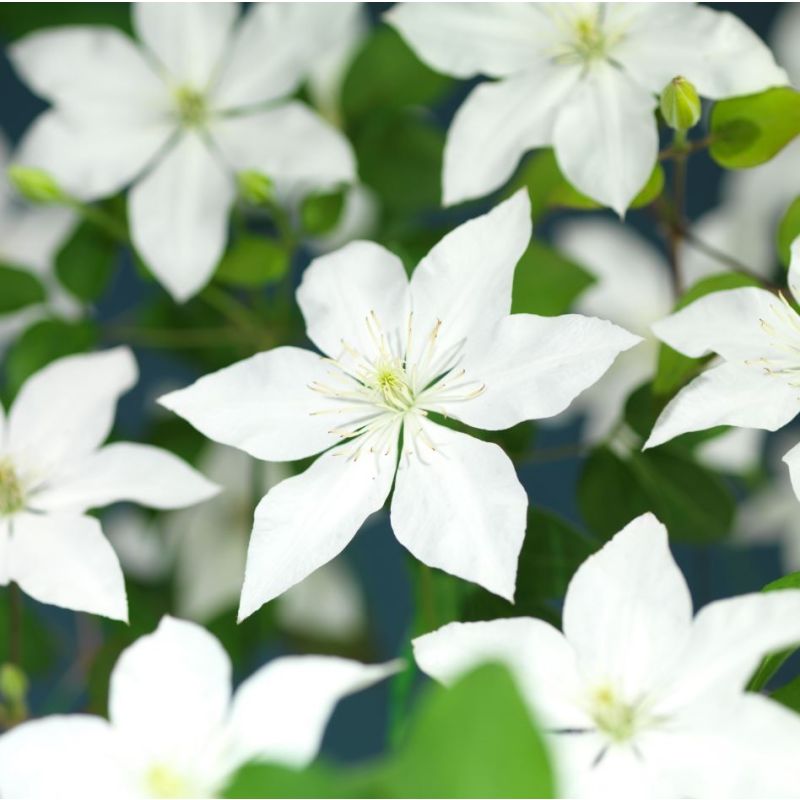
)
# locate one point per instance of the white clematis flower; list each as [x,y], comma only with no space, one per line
[632,288]
[757,336]
[397,351]
[53,469]
[203,97]
[640,699]
[580,77]
[174,729]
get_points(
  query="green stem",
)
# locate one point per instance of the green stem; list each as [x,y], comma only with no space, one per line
[231,308]
[15,624]
[103,220]
[183,339]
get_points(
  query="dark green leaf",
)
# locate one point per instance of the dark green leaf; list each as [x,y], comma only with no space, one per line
[19,289]
[253,261]
[788,231]
[18,19]
[747,131]
[85,263]
[546,282]
[789,695]
[320,213]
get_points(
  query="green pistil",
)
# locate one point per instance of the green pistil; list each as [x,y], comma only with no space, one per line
[191,106]
[12,497]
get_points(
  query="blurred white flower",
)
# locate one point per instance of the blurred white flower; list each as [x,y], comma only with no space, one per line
[203,97]
[53,469]
[640,699]
[632,289]
[757,336]
[580,77]
[174,729]
[397,351]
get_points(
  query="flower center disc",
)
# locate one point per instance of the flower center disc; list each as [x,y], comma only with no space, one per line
[12,496]
[191,106]
[614,717]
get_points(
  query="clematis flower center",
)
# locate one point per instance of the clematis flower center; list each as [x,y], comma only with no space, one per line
[163,782]
[613,716]
[783,328]
[586,38]
[191,106]
[12,493]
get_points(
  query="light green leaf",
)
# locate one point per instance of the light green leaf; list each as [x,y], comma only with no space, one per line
[253,261]
[788,231]
[747,131]
[19,289]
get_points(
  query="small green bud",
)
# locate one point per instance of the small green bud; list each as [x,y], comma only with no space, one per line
[255,188]
[36,185]
[680,105]
[13,685]
[320,213]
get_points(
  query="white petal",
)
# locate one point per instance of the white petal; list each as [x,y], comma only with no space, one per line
[628,610]
[5,552]
[66,410]
[91,158]
[273,50]
[340,291]
[466,39]
[726,322]
[290,143]
[179,216]
[307,520]
[460,507]
[783,38]
[715,50]
[536,366]
[730,394]
[138,473]
[170,692]
[794,269]
[280,713]
[792,460]
[736,451]
[65,560]
[729,638]
[262,405]
[606,138]
[465,281]
[32,237]
[188,39]
[64,756]
[539,657]
[497,124]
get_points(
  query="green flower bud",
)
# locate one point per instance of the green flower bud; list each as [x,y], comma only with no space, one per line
[680,105]
[36,185]
[255,188]
[13,685]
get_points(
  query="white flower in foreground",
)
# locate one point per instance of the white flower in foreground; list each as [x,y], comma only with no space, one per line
[757,336]
[640,699]
[580,77]
[174,729]
[53,468]
[397,351]
[632,288]
[203,97]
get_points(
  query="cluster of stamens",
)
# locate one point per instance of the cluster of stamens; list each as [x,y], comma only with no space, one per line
[614,717]
[191,106]
[385,390]
[784,330]
[586,38]
[12,494]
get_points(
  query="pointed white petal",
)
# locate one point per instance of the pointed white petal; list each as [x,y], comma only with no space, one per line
[792,460]
[273,50]
[628,611]
[179,216]
[137,473]
[71,757]
[5,552]
[730,394]
[736,451]
[262,405]
[497,124]
[536,366]
[66,410]
[715,50]
[307,520]
[340,292]
[65,560]
[783,39]
[170,692]
[465,281]
[728,323]
[290,143]
[460,507]
[34,235]
[539,657]
[466,39]
[188,39]
[794,269]
[280,713]
[606,138]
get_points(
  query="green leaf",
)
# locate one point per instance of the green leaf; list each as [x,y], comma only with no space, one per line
[19,289]
[42,343]
[789,695]
[477,739]
[85,263]
[253,261]
[674,368]
[320,213]
[546,282]
[747,131]
[788,231]
[17,20]
[385,74]
[275,780]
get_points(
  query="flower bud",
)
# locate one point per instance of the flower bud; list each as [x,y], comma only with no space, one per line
[13,685]
[255,188]
[680,105]
[36,185]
